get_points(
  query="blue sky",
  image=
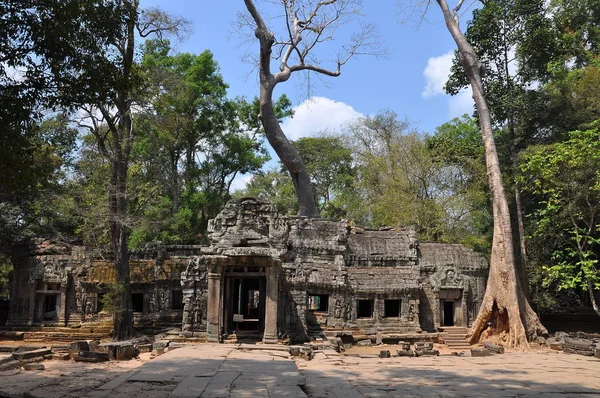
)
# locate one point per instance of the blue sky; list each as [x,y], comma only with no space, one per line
[408,81]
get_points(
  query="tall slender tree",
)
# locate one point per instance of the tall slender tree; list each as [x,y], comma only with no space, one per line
[110,120]
[307,25]
[504,304]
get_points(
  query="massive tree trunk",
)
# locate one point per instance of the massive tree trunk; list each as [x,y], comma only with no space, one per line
[287,153]
[123,317]
[283,147]
[504,312]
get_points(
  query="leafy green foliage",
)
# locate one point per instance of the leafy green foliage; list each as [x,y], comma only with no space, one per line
[111,300]
[565,181]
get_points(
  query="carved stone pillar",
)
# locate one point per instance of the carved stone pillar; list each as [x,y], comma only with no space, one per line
[32,304]
[272,298]
[213,324]
[465,308]
[62,315]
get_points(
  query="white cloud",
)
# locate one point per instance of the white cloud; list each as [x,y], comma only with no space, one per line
[461,103]
[436,73]
[318,114]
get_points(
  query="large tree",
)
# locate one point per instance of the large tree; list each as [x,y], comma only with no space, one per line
[504,304]
[110,120]
[565,182]
[307,24]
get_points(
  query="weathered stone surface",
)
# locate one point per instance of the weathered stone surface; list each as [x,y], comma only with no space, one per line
[314,275]
[424,345]
[480,352]
[384,354]
[78,346]
[422,352]
[34,366]
[23,355]
[495,348]
[118,351]
[90,356]
[364,343]
[158,347]
[405,353]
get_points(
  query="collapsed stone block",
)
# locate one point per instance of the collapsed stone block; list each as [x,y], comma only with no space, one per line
[384,354]
[118,351]
[20,356]
[89,356]
[158,347]
[495,348]
[405,353]
[421,352]
[427,345]
[480,352]
[34,366]
[77,346]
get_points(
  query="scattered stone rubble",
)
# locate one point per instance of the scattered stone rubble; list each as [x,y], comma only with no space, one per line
[576,343]
[29,357]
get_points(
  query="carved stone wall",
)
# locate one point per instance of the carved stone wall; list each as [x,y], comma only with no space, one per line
[316,275]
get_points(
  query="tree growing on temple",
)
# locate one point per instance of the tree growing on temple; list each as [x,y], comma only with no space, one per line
[504,311]
[109,118]
[308,25]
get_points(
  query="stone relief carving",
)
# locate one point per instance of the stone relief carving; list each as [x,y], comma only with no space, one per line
[48,272]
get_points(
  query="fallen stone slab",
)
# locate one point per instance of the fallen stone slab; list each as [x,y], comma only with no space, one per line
[405,353]
[426,352]
[23,355]
[424,345]
[480,352]
[34,366]
[10,365]
[556,345]
[29,347]
[78,346]
[91,356]
[144,347]
[384,354]
[6,358]
[578,344]
[495,348]
[7,348]
[158,347]
[11,335]
[118,351]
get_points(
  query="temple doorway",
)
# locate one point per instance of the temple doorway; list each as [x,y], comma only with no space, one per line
[447,313]
[244,304]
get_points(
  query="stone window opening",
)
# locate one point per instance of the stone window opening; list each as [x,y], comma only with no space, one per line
[99,302]
[137,302]
[391,308]
[177,302]
[364,308]
[318,302]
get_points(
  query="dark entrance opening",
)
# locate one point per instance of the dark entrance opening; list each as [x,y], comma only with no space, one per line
[392,308]
[137,302]
[177,302]
[448,313]
[50,308]
[364,308]
[245,304]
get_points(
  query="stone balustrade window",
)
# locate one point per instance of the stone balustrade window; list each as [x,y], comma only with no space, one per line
[364,308]
[392,308]
[318,302]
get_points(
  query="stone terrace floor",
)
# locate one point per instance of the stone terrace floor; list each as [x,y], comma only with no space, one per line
[218,370]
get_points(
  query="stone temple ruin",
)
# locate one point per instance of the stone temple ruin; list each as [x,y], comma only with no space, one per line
[266,275]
